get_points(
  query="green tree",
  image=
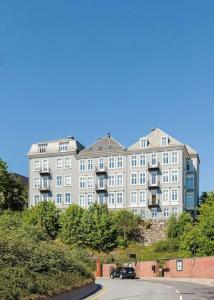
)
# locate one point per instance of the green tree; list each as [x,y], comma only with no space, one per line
[126,224]
[71,231]
[176,226]
[44,215]
[99,232]
[12,192]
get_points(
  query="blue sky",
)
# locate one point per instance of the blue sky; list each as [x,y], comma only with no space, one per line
[85,68]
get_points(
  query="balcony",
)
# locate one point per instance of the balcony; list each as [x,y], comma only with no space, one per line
[44,171]
[99,170]
[154,166]
[101,188]
[154,202]
[44,188]
[154,184]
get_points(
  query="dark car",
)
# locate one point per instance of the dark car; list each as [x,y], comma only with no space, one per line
[125,272]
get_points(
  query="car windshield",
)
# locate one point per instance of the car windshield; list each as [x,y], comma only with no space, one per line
[129,269]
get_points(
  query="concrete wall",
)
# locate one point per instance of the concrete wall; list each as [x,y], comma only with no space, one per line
[200,267]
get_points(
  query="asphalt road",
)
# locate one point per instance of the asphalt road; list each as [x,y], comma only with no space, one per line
[138,289]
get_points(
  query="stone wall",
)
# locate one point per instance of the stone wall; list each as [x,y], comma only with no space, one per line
[152,231]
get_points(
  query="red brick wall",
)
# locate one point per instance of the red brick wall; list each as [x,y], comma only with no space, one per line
[106,269]
[144,268]
[199,267]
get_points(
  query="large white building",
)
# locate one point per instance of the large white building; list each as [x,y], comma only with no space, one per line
[155,177]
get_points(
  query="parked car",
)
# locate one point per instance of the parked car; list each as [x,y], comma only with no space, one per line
[125,272]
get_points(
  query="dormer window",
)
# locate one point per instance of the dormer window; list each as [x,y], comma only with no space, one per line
[42,148]
[144,143]
[63,147]
[164,141]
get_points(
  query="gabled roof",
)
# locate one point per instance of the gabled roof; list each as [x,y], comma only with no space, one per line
[154,140]
[105,146]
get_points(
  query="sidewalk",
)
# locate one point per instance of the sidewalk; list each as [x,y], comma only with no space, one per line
[204,281]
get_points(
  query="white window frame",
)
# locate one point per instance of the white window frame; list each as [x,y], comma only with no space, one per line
[111,180]
[131,178]
[119,196]
[165,141]
[36,165]
[90,182]
[34,197]
[90,164]
[133,196]
[142,178]
[165,212]
[57,197]
[173,194]
[63,146]
[165,155]
[59,176]
[67,165]
[174,154]
[119,162]
[119,179]
[65,180]
[144,142]
[111,162]
[142,160]
[82,165]
[165,176]
[111,196]
[90,201]
[154,213]
[59,165]
[82,183]
[175,211]
[134,161]
[36,183]
[82,200]
[174,177]
[143,197]
[165,199]
[65,201]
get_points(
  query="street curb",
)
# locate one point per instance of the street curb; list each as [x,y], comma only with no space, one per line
[202,281]
[79,293]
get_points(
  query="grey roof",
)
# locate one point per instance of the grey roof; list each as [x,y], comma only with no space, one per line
[105,146]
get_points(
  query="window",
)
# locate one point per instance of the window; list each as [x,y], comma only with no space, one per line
[67,162]
[58,198]
[175,211]
[179,265]
[174,175]
[174,195]
[134,161]
[67,198]
[143,178]
[90,199]
[165,195]
[174,157]
[189,165]
[133,197]
[67,180]
[36,183]
[111,180]
[90,182]
[45,165]
[102,198]
[144,143]
[142,199]
[36,165]
[58,181]
[120,180]
[82,165]
[154,177]
[111,163]
[189,182]
[153,159]
[134,178]
[142,214]
[45,197]
[165,158]
[101,164]
[82,182]
[165,212]
[119,162]
[82,200]
[45,182]
[119,198]
[63,147]
[42,148]
[90,165]
[165,176]
[189,201]
[164,141]
[36,199]
[111,199]
[154,213]
[59,163]
[142,160]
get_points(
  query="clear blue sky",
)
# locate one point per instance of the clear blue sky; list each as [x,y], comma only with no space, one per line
[85,68]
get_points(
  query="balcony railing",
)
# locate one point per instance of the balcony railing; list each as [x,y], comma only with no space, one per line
[154,202]
[101,170]
[44,188]
[154,184]
[44,171]
[101,188]
[156,165]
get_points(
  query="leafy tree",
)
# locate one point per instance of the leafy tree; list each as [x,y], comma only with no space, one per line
[12,192]
[176,226]
[71,225]
[44,215]
[98,229]
[126,224]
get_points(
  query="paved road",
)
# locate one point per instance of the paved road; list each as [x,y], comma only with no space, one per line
[137,289]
